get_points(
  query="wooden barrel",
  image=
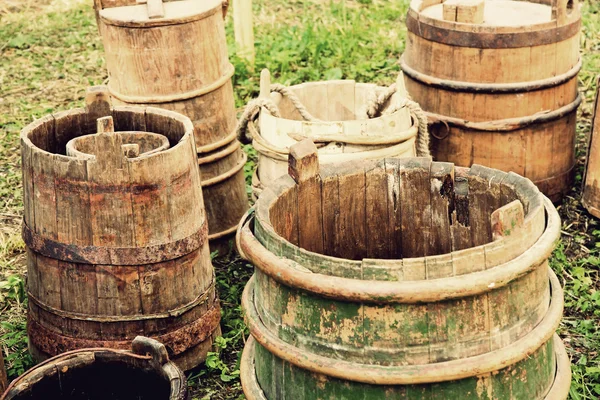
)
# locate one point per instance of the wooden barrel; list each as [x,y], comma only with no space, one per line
[591,181]
[3,377]
[144,373]
[499,82]
[116,233]
[402,279]
[344,131]
[174,56]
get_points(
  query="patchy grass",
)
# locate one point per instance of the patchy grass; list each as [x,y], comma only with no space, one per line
[50,51]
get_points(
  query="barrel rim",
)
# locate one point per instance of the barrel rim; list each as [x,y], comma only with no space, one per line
[156,22]
[187,136]
[487,37]
[408,374]
[252,390]
[172,374]
[291,273]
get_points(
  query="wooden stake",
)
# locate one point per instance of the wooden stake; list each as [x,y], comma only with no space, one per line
[105,125]
[265,83]
[303,162]
[243,29]
[464,11]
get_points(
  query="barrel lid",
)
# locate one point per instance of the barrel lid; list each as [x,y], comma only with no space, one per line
[175,12]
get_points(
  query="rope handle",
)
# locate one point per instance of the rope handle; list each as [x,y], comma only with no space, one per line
[379,102]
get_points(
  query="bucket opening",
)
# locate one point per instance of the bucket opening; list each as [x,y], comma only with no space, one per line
[399,213]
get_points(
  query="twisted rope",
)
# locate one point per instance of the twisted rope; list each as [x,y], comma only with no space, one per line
[377,104]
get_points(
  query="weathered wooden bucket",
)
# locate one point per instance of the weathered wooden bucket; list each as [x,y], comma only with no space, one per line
[174,56]
[499,84]
[402,278]
[591,182]
[336,115]
[3,377]
[144,373]
[116,233]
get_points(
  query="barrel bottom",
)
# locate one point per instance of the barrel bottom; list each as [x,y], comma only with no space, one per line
[189,359]
[266,377]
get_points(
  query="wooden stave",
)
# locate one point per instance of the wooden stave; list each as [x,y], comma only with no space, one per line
[554,183]
[590,198]
[82,122]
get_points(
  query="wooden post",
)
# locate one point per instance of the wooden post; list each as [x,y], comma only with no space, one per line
[591,186]
[243,29]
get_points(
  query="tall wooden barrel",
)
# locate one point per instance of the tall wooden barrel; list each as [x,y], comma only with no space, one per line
[144,373]
[402,279]
[499,82]
[116,233]
[174,56]
[591,182]
[344,131]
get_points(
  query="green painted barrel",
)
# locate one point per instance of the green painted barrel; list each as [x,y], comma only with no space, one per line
[402,279]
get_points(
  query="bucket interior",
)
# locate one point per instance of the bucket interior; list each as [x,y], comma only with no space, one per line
[52,133]
[101,380]
[394,213]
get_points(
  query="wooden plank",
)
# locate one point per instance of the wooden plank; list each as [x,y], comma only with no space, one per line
[352,241]
[460,226]
[442,193]
[394,207]
[377,227]
[415,196]
[340,96]
[330,199]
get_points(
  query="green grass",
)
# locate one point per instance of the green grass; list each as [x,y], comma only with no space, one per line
[50,51]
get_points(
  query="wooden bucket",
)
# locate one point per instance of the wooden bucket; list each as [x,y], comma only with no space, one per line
[591,181]
[174,56]
[116,233]
[344,132]
[402,278]
[144,373]
[502,92]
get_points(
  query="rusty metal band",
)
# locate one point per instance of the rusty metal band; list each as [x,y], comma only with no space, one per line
[474,87]
[178,341]
[407,374]
[201,299]
[211,158]
[226,175]
[490,40]
[207,148]
[291,273]
[503,125]
[120,256]
[226,77]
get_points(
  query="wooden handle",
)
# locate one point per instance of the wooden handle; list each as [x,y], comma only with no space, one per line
[303,161]
[563,10]
[156,8]
[105,125]
[464,11]
[97,102]
[507,219]
[145,346]
[265,83]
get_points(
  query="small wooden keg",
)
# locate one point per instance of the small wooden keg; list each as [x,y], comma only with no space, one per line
[402,279]
[591,182]
[499,82]
[142,373]
[342,127]
[116,232]
[174,56]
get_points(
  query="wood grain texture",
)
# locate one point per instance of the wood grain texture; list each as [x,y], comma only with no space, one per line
[103,203]
[541,149]
[591,185]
